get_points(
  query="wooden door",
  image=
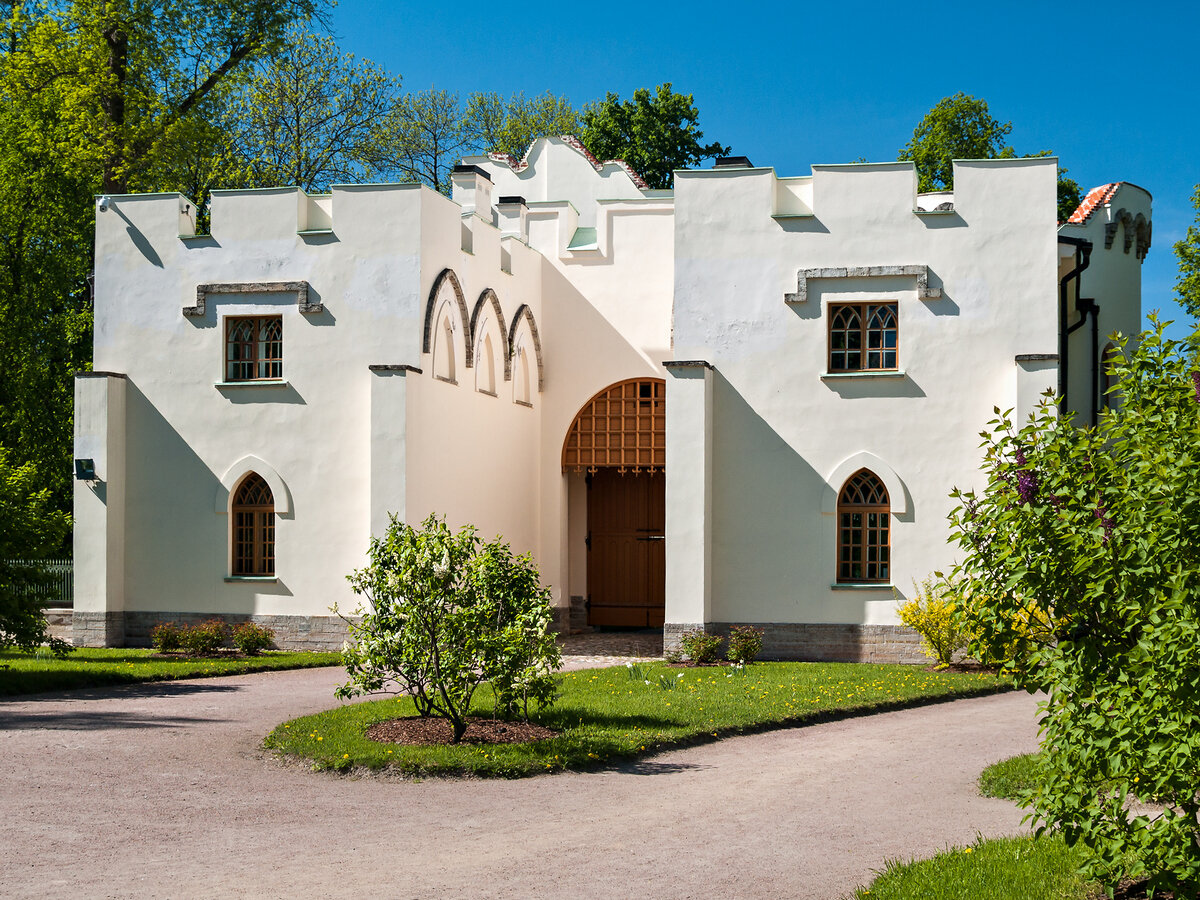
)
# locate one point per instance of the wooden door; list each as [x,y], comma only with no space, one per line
[626,566]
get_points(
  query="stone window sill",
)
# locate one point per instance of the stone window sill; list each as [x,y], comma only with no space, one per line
[871,586]
[265,383]
[270,579]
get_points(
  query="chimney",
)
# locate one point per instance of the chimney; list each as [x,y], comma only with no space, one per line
[513,217]
[471,188]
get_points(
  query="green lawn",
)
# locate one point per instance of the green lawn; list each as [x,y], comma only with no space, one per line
[1010,778]
[1015,868]
[622,713]
[28,673]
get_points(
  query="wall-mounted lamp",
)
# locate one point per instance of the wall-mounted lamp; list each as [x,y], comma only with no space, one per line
[85,470]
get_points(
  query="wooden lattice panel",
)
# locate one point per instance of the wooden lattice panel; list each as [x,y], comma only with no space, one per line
[623,427]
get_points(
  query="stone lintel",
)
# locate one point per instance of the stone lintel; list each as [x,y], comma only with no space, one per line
[299,288]
[921,273]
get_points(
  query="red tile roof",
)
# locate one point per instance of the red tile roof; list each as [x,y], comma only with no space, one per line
[571,141]
[1097,196]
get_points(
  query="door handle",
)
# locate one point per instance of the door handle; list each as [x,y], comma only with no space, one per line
[653,537]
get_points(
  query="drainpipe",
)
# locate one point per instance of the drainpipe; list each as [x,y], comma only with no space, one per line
[1089,308]
[1083,258]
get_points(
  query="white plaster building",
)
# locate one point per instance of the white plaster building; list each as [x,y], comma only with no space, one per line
[743,401]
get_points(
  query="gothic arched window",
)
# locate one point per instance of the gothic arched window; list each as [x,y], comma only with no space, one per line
[253,528]
[864,531]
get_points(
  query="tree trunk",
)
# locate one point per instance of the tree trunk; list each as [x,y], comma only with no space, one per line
[116,180]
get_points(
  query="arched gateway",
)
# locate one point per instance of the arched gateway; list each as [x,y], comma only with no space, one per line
[619,440]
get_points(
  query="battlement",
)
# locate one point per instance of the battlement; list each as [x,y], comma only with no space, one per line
[983,188]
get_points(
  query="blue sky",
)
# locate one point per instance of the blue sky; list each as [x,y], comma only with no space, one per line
[1109,87]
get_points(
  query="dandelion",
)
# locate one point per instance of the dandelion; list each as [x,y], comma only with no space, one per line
[968,850]
[345,756]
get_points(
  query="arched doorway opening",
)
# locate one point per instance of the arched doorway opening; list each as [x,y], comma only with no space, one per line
[618,442]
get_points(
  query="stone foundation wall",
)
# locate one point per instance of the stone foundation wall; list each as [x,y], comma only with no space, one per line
[820,642]
[579,615]
[59,623]
[97,629]
[132,628]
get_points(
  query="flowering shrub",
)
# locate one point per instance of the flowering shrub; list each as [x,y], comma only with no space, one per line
[699,646]
[935,615]
[1082,549]
[448,613]
[204,638]
[165,637]
[745,643]
[252,638]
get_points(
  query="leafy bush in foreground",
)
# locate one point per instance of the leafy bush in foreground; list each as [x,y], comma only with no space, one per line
[449,613]
[1093,531]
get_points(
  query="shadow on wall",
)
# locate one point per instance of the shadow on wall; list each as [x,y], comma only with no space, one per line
[771,544]
[581,333]
[176,544]
[139,240]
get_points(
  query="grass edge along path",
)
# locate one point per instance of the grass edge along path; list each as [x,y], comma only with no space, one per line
[1020,867]
[1010,868]
[92,667]
[1012,778]
[626,712]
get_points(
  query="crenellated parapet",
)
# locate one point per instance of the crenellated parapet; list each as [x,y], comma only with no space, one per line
[869,191]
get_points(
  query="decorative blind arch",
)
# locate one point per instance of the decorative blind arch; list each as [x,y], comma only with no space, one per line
[622,427]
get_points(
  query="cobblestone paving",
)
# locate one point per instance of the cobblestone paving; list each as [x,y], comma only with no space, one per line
[610,648]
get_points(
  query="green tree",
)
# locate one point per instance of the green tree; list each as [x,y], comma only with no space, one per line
[1093,531]
[655,133]
[97,96]
[962,127]
[309,114]
[423,137]
[496,125]
[449,613]
[1188,252]
[30,529]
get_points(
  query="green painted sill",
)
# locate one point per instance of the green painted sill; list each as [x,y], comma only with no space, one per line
[836,376]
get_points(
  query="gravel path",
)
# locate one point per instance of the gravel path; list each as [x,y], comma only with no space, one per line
[160,790]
